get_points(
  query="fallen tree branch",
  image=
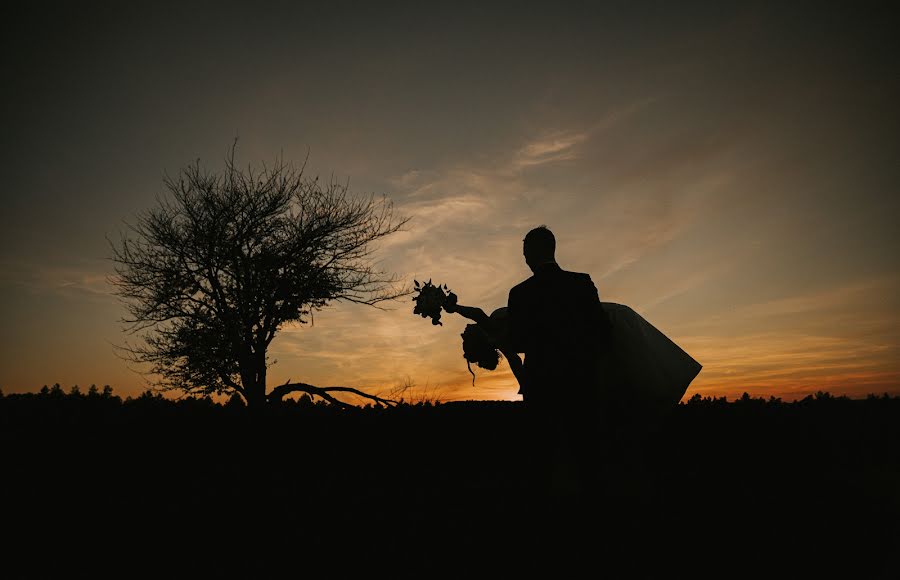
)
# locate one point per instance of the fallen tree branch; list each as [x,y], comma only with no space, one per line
[279,392]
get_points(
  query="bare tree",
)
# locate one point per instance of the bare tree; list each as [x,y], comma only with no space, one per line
[212,273]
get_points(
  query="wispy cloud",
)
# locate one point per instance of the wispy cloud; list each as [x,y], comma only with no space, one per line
[820,301]
[549,149]
[792,364]
[80,279]
[835,338]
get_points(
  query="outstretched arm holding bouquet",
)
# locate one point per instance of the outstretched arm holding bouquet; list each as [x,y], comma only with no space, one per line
[484,341]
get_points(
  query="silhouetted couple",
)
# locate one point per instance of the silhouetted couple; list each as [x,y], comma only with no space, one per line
[555,319]
[589,366]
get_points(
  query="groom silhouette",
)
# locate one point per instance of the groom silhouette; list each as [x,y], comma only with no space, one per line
[555,319]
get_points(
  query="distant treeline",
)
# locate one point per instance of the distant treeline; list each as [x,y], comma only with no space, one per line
[93,393]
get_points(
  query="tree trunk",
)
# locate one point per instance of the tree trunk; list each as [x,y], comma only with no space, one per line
[253,377]
[260,360]
[256,396]
[254,388]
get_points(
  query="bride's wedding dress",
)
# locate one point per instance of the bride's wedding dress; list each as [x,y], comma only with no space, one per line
[640,367]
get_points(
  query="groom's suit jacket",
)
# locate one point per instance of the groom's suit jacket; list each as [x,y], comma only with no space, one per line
[556,320]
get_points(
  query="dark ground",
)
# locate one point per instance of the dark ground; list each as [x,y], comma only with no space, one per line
[92,486]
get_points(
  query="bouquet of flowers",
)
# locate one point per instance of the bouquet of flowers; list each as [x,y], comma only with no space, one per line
[429,299]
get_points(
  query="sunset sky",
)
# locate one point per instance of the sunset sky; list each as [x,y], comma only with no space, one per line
[731,173]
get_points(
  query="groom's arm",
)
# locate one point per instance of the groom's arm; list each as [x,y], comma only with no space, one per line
[600,328]
[589,289]
[518,321]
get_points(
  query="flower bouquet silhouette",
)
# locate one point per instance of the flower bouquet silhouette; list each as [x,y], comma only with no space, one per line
[430,299]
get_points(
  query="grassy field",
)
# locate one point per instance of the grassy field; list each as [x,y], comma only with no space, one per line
[96,486]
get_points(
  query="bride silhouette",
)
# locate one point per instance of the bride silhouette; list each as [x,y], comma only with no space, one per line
[487,339]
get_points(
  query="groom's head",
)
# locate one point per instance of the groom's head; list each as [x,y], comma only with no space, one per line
[539,247]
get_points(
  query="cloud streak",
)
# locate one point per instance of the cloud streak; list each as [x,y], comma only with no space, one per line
[553,148]
[84,280]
